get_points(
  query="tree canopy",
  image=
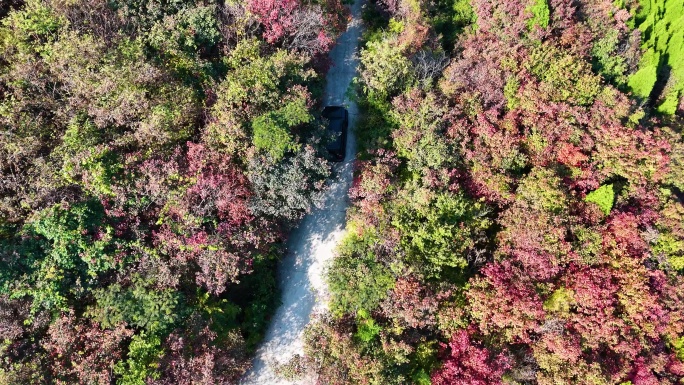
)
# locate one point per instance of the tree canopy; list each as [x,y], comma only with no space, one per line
[153,157]
[518,208]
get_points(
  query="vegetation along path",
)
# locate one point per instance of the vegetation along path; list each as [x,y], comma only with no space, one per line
[311,245]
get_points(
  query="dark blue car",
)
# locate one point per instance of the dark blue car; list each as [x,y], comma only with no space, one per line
[338,120]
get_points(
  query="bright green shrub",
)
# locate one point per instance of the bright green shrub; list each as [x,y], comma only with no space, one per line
[672,248]
[463,13]
[678,345]
[641,82]
[366,329]
[142,363]
[271,135]
[511,92]
[677,262]
[559,301]
[540,14]
[396,26]
[603,197]
[670,103]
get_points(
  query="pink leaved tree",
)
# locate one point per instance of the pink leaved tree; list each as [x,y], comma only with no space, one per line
[308,29]
[469,363]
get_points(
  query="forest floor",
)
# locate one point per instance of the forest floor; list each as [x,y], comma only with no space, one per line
[312,244]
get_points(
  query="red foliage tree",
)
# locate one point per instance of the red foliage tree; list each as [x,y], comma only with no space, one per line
[373,181]
[468,362]
[277,16]
[301,27]
[412,303]
[506,302]
[82,352]
[196,355]
[220,188]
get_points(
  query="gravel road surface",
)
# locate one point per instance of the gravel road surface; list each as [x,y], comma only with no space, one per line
[311,245]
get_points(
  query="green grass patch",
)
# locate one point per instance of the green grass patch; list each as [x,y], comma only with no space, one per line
[660,77]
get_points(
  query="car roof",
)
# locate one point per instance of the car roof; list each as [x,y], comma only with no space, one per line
[335,125]
[333,112]
[336,144]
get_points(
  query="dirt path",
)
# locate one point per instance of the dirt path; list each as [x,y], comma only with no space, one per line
[311,245]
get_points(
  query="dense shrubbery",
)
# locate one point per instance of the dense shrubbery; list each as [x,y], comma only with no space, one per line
[153,156]
[517,218]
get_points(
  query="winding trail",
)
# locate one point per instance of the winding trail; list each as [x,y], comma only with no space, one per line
[311,245]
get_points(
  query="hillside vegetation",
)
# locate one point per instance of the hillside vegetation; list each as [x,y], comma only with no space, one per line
[518,200]
[153,157]
[518,213]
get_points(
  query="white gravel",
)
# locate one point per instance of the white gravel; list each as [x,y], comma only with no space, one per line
[311,245]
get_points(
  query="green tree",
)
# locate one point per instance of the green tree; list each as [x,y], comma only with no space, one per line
[357,281]
[367,329]
[272,131]
[63,249]
[384,69]
[439,231]
[140,304]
